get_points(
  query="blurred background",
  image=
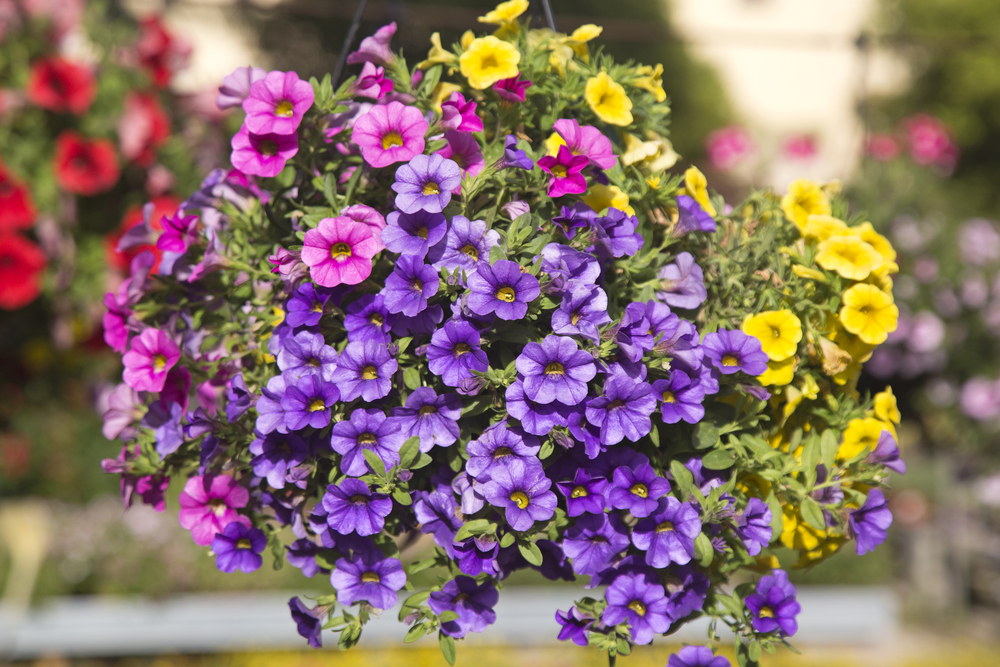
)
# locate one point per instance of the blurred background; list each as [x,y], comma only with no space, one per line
[898,100]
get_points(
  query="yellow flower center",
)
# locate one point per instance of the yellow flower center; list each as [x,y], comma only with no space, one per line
[218,506]
[776,332]
[766,612]
[284,109]
[520,499]
[431,188]
[559,171]
[390,139]
[730,360]
[615,404]
[340,250]
[555,368]
[159,363]
[639,489]
[268,148]
[417,286]
[422,232]
[243,543]
[637,607]
[668,397]
[359,499]
[470,251]
[376,319]
[574,319]
[317,307]
[369,373]
[579,492]
[370,578]
[461,349]
[664,527]
[506,294]
[501,452]
[367,439]
[317,405]
[428,410]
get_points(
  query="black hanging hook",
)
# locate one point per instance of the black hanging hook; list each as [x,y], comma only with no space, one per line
[547,8]
[338,71]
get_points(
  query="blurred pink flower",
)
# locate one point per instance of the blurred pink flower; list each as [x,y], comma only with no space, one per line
[930,143]
[727,147]
[801,147]
[882,147]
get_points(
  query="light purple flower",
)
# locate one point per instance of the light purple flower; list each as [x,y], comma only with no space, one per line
[633,599]
[414,233]
[308,401]
[236,86]
[368,576]
[523,493]
[565,265]
[375,48]
[275,454]
[575,626]
[435,511]
[500,446]
[623,411]
[584,308]
[409,286]
[594,541]
[535,418]
[668,534]
[513,157]
[276,103]
[368,319]
[887,453]
[270,414]
[471,601]
[692,217]
[366,429]
[466,244]
[773,605]
[503,289]
[432,418]
[697,656]
[238,548]
[307,352]
[868,524]
[637,490]
[584,493]
[426,183]
[754,526]
[364,371]
[353,508]
[681,398]
[734,351]
[616,232]
[555,369]
[454,352]
[682,283]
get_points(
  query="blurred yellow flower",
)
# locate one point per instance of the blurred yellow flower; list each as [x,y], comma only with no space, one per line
[796,533]
[869,313]
[779,332]
[885,406]
[488,60]
[811,274]
[849,256]
[795,395]
[804,198]
[441,92]
[653,182]
[821,227]
[553,143]
[505,12]
[874,239]
[859,435]
[437,54]
[651,79]
[696,187]
[601,197]
[578,40]
[468,37]
[637,150]
[778,373]
[608,100]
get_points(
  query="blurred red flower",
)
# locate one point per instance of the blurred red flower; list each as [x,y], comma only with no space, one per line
[143,128]
[59,85]
[21,262]
[17,211]
[85,166]
[160,51]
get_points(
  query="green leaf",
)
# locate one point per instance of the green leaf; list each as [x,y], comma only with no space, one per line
[828,445]
[531,552]
[704,552]
[754,650]
[447,645]
[812,513]
[496,253]
[719,459]
[777,517]
[404,343]
[330,189]
[810,454]
[705,435]
[409,452]
[682,478]
[374,462]
[411,378]
[474,527]
[349,636]
[447,615]
[654,436]
[424,460]
[546,450]
[402,497]
[413,602]
[415,633]
[507,540]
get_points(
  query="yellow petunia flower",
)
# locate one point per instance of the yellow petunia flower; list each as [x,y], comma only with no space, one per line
[601,197]
[779,332]
[488,60]
[869,313]
[637,150]
[607,99]
[874,239]
[885,406]
[553,143]
[804,198]
[827,548]
[696,187]
[505,12]
[796,533]
[859,435]
[811,274]
[437,54]
[821,227]
[653,182]
[778,373]
[754,485]
[651,79]
[665,157]
[468,37]
[849,256]
[578,40]
[441,92]
[795,395]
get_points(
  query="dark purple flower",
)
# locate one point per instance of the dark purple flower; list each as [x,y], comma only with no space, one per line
[584,308]
[308,625]
[585,493]
[681,398]
[467,243]
[368,576]
[368,319]
[353,508]
[623,411]
[682,284]
[686,589]
[697,656]
[409,286]
[680,340]
[302,554]
[238,548]
[414,233]
[535,418]
[307,352]
[367,429]
[425,184]
[637,490]
[523,493]
[577,216]
[433,418]
[275,454]
[364,371]
[435,511]
[734,351]
[502,289]
[635,332]
[512,89]
[454,352]
[556,368]
[868,524]
[668,534]
[633,599]
[594,541]
[773,605]
[477,555]
[565,265]
[423,324]
[469,491]
[308,401]
[471,601]
[237,398]
[887,453]
[754,526]
[692,217]
[616,231]
[575,626]
[513,156]
[555,564]
[307,304]
[500,446]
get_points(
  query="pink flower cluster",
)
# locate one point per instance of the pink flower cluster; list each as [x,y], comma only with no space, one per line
[927,138]
[727,147]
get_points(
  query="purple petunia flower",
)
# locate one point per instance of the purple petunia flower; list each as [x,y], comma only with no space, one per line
[564,170]
[869,523]
[276,103]
[469,492]
[697,656]
[566,266]
[681,398]
[680,341]
[616,232]
[555,564]
[637,490]
[238,398]
[423,324]
[513,157]
[454,352]
[686,589]
[368,319]
[270,414]
[682,283]
[477,555]
[409,286]
[425,183]
[634,335]
[435,511]
[306,306]
[390,133]
[633,599]
[584,493]
[577,216]
[368,576]
[754,526]
[575,626]
[236,86]
[512,89]
[307,353]
[584,308]
[668,534]
[623,411]
[375,48]
[734,351]
[353,508]
[366,429]
[238,548]
[275,454]
[773,605]
[500,446]
[308,401]
[466,244]
[535,418]
[364,371]
[471,601]
[556,368]
[887,453]
[503,289]
[692,217]
[413,234]
[302,554]
[523,494]
[594,541]
[307,623]
[152,354]
[432,418]
[459,114]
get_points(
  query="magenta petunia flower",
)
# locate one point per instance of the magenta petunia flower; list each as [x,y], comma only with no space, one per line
[277,103]
[390,133]
[565,169]
[372,82]
[375,48]
[464,150]
[262,154]
[209,504]
[586,140]
[370,217]
[459,114]
[148,361]
[512,89]
[339,251]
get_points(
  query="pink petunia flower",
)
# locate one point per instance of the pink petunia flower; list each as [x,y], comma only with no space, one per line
[262,154]
[727,147]
[148,361]
[512,89]
[463,150]
[236,86]
[882,147]
[565,169]
[801,147]
[339,251]
[370,217]
[372,82]
[389,134]
[930,143]
[459,114]
[586,140]
[277,103]
[375,48]
[208,504]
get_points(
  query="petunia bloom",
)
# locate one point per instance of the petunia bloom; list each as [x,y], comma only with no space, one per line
[459,114]
[454,352]
[353,508]
[868,524]
[681,398]
[667,535]
[152,354]
[734,351]
[500,446]
[413,234]
[773,605]
[471,601]
[308,625]
[367,429]
[697,656]
[754,526]
[262,154]
[426,183]
[632,599]
[368,319]
[209,504]
[339,251]
[637,490]
[682,283]
[409,286]
[555,369]
[594,541]
[575,626]
[585,493]
[503,289]
[236,86]
[587,141]
[692,217]
[623,411]
[276,103]
[513,89]
[463,149]
[364,371]
[370,576]
[238,548]
[375,48]
[466,243]
[432,418]
[523,493]
[390,133]
[372,82]
[564,169]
